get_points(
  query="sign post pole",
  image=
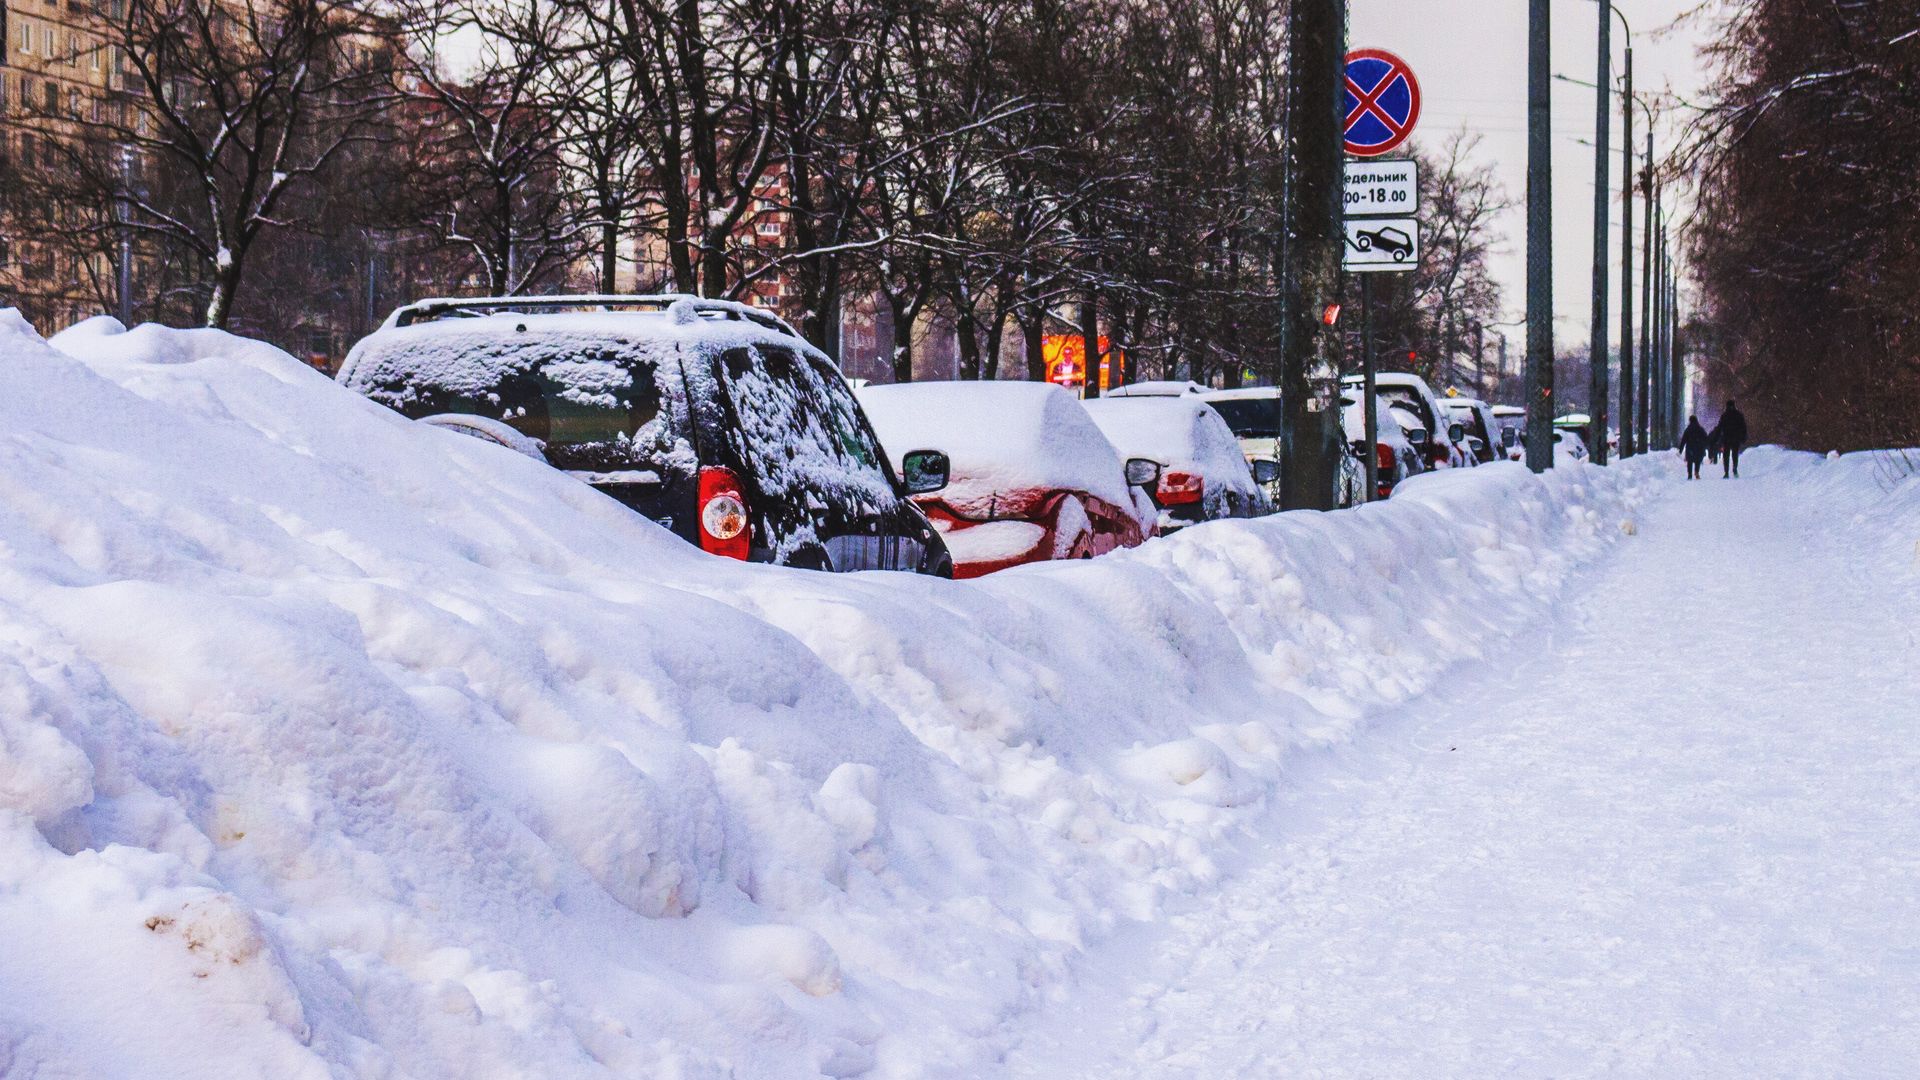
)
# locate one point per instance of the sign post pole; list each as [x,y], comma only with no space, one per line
[1372,452]
[1382,236]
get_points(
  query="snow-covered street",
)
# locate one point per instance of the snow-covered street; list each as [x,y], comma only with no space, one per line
[1674,833]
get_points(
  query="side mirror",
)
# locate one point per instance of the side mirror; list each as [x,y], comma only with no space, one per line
[922,471]
[1456,431]
[1265,471]
[1143,472]
[1417,435]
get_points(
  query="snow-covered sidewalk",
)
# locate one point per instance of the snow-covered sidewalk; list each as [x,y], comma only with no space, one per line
[1676,834]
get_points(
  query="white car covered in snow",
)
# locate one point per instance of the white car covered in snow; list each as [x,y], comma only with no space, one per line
[1203,474]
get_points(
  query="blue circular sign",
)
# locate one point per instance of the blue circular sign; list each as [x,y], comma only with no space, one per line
[1382,102]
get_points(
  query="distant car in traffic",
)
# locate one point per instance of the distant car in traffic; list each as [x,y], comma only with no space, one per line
[1203,474]
[1032,478]
[714,419]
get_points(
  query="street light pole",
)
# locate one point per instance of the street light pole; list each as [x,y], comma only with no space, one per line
[1676,363]
[1627,444]
[1539,238]
[123,212]
[1602,204]
[1651,196]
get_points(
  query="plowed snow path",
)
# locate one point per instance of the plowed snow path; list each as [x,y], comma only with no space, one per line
[1677,834]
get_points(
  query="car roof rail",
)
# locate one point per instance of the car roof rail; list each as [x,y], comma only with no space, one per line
[681,306]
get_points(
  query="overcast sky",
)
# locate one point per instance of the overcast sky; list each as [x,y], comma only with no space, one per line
[1471,59]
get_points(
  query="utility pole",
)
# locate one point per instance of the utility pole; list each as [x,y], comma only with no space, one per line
[1602,203]
[1627,444]
[1539,238]
[123,214]
[1662,418]
[1676,364]
[1652,196]
[1310,371]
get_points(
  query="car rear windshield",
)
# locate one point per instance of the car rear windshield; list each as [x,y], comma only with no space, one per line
[800,432]
[596,402]
[1251,418]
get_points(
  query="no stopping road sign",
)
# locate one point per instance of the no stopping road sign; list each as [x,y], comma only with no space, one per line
[1382,102]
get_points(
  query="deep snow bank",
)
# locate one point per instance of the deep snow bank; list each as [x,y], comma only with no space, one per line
[334,744]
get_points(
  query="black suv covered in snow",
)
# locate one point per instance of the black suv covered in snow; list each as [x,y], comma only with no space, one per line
[715,420]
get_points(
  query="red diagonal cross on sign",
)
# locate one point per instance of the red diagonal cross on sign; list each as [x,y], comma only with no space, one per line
[1370,102]
[1393,102]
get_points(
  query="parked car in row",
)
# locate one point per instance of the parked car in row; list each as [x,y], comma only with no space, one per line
[1484,434]
[1032,478]
[1444,440]
[1394,449]
[1203,474]
[1513,429]
[714,419]
[1157,388]
[1252,413]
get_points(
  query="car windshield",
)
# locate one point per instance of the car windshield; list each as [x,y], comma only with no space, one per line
[1251,418]
[799,430]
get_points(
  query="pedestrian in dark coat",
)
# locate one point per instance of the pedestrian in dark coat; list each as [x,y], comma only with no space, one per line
[1731,435]
[1693,446]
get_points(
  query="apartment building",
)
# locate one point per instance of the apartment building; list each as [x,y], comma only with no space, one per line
[57,74]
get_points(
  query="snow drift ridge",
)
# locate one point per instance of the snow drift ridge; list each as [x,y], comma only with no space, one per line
[337,745]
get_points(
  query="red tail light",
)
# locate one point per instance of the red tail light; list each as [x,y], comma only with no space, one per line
[1179,488]
[1383,457]
[724,524]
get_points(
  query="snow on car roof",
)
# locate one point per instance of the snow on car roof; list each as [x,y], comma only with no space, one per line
[1354,423]
[1001,437]
[1181,433]
[1244,393]
[1157,388]
[466,349]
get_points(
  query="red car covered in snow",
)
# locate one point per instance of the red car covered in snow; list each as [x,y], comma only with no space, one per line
[1032,477]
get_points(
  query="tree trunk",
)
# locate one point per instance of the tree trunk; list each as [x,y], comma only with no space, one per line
[1090,340]
[1033,329]
[902,318]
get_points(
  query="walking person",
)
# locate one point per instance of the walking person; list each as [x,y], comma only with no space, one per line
[1693,446]
[1731,436]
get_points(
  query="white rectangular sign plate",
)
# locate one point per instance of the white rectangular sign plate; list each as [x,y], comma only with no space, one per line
[1381,245]
[1390,188]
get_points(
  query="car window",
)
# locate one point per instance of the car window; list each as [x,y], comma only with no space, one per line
[594,400]
[601,415]
[1250,418]
[799,429]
